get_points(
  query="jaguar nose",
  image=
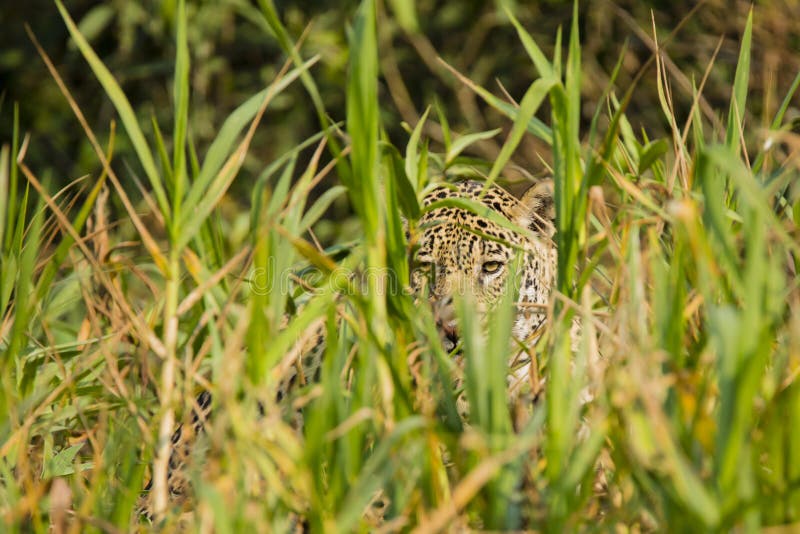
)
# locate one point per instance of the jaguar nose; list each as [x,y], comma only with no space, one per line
[449,333]
[444,314]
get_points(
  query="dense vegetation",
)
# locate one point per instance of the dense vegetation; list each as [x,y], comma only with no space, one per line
[207,242]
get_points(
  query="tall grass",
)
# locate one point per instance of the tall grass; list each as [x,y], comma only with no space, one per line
[677,258]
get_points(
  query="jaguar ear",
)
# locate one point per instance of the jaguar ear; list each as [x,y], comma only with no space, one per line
[539,209]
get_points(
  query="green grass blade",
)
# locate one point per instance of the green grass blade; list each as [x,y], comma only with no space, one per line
[208,189]
[181,103]
[733,134]
[464,141]
[319,207]
[23,302]
[533,98]
[220,149]
[535,126]
[274,24]
[534,52]
[123,107]
[406,14]
[4,198]
[13,173]
[412,156]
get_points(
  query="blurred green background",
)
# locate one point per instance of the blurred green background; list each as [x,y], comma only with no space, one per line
[234,55]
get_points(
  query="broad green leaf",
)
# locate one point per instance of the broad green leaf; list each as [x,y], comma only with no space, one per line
[62,464]
[406,195]
[446,136]
[652,153]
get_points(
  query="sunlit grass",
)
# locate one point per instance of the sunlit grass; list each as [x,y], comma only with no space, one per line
[677,255]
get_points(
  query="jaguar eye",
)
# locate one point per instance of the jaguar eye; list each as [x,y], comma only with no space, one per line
[491,267]
[424,265]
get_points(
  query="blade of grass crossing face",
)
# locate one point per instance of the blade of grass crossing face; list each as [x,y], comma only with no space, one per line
[481,210]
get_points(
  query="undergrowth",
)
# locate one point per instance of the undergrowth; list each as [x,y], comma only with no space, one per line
[678,256]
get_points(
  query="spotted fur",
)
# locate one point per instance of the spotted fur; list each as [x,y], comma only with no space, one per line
[460,251]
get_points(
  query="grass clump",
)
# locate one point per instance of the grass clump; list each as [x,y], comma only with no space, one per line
[678,256]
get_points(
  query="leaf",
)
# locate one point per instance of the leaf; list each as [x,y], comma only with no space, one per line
[406,14]
[534,52]
[207,191]
[318,208]
[406,196]
[446,137]
[464,141]
[796,212]
[62,464]
[181,96]
[95,21]
[533,98]
[4,200]
[220,148]
[412,157]
[651,153]
[123,107]
[363,119]
[733,135]
[535,126]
